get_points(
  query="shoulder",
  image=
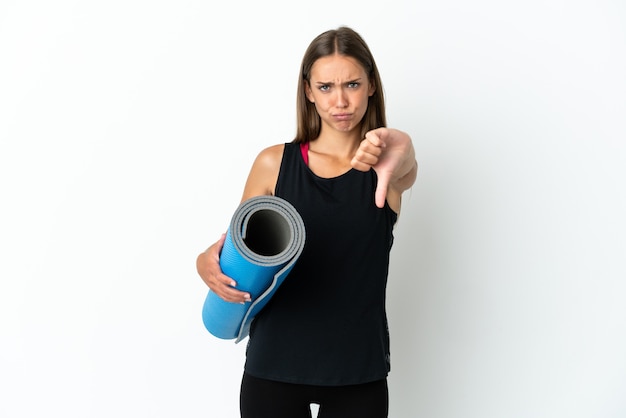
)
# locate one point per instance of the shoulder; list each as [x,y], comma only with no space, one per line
[264,172]
[270,157]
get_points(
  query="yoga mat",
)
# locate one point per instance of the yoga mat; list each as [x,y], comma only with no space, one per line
[264,240]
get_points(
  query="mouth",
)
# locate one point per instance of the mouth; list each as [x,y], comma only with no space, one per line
[342,116]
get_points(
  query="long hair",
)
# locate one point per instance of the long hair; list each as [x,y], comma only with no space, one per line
[343,41]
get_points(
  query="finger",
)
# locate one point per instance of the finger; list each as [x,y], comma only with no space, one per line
[223,288]
[358,165]
[374,138]
[368,150]
[226,287]
[362,165]
[220,279]
[230,294]
[369,159]
[381,189]
[366,156]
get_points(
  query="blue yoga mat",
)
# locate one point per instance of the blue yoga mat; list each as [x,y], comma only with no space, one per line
[264,240]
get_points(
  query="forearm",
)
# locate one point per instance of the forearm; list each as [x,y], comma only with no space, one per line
[406,180]
[406,172]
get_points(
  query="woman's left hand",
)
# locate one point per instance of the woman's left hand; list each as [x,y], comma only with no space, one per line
[390,153]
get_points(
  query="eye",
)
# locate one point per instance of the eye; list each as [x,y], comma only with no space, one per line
[354,84]
[324,87]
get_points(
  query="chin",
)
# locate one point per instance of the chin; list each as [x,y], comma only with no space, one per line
[344,127]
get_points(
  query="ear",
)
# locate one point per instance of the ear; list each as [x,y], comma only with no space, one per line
[372,89]
[308,92]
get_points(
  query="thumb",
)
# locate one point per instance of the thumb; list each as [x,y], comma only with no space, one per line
[381,188]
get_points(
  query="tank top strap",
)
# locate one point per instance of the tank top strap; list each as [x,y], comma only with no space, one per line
[304,150]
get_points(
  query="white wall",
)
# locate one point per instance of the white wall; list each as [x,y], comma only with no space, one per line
[127,129]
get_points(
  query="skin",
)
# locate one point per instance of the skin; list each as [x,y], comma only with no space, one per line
[339,88]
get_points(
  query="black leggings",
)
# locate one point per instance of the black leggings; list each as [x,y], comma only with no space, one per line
[261,398]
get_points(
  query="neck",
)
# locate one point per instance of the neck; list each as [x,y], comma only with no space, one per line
[341,144]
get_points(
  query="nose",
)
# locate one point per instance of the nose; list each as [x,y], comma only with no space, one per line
[341,100]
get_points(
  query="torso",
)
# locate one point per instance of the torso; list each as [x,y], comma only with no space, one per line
[327,324]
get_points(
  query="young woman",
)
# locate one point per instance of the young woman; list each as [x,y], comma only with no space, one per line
[323,338]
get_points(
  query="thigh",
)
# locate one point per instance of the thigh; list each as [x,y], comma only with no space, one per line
[369,400]
[261,398]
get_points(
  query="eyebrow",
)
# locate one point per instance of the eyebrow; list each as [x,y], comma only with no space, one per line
[330,83]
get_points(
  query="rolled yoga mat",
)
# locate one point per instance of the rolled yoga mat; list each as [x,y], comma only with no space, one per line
[264,240]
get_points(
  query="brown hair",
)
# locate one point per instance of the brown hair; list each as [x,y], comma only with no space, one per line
[342,41]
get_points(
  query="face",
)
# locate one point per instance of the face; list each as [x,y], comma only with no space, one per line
[339,87]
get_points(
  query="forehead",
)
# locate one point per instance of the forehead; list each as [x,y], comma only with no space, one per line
[337,67]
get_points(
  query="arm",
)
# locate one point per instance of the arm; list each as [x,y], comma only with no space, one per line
[261,181]
[390,152]
[208,266]
[264,173]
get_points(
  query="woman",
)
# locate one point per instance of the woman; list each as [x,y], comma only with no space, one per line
[323,338]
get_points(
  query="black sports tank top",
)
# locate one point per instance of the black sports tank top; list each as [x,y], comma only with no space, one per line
[326,324]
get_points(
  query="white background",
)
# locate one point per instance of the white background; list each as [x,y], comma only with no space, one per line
[128,127]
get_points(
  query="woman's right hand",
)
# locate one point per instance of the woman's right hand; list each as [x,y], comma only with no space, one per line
[208,266]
